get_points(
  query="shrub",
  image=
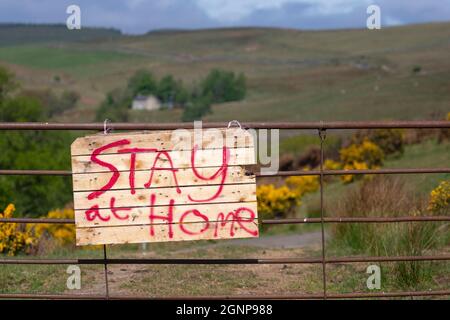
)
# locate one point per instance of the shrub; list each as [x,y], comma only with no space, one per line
[63,234]
[53,104]
[367,152]
[276,202]
[287,162]
[142,82]
[27,149]
[7,83]
[416,69]
[13,237]
[355,165]
[114,107]
[196,109]
[440,198]
[310,158]
[391,141]
[224,86]
[68,100]
[172,91]
[366,155]
[303,184]
[331,165]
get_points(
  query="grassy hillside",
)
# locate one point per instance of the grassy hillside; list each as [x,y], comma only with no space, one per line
[292,75]
[16,34]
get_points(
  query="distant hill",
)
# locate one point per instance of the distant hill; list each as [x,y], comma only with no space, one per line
[15,34]
[394,73]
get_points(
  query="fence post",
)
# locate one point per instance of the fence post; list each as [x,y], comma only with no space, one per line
[322,136]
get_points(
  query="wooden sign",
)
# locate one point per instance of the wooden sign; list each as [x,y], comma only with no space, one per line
[164,186]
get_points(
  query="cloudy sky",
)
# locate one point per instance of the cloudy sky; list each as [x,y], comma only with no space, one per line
[140,16]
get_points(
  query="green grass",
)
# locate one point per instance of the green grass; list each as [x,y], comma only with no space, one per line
[164,280]
[16,34]
[57,58]
[297,145]
[428,154]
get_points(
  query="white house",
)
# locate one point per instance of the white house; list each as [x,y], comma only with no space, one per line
[145,103]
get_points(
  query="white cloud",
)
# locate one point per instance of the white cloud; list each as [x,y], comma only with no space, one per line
[235,10]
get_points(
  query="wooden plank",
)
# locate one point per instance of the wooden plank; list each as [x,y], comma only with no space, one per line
[145,187]
[166,140]
[124,198]
[161,178]
[141,215]
[180,159]
[139,234]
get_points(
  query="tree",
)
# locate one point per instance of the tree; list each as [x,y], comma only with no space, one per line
[31,150]
[52,104]
[224,86]
[7,83]
[68,100]
[115,106]
[142,82]
[172,91]
[197,108]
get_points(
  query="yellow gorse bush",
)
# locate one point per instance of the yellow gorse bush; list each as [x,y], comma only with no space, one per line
[273,202]
[63,233]
[355,165]
[332,165]
[440,198]
[13,238]
[303,184]
[366,155]
[367,152]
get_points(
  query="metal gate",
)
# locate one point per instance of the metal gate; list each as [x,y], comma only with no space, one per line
[322,128]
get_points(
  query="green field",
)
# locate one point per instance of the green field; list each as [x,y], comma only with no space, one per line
[292,75]
[57,58]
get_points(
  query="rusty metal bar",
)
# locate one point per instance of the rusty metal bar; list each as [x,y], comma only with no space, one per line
[269,221]
[357,295]
[322,136]
[318,296]
[37,220]
[345,172]
[195,261]
[254,125]
[279,174]
[356,220]
[105,266]
[35,173]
